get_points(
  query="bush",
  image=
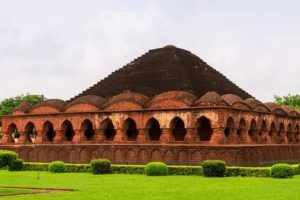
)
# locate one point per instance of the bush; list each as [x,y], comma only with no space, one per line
[248,171]
[35,166]
[213,168]
[57,167]
[128,169]
[156,169]
[185,170]
[6,157]
[282,171]
[101,166]
[16,165]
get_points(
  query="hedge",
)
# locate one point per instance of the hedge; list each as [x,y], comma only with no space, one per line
[214,168]
[282,170]
[172,170]
[6,157]
[57,167]
[101,166]
[156,169]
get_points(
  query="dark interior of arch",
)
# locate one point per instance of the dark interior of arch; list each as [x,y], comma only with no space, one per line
[242,127]
[252,128]
[88,130]
[229,127]
[48,130]
[131,130]
[289,134]
[204,129]
[154,130]
[109,130]
[28,130]
[263,128]
[178,129]
[10,130]
[68,131]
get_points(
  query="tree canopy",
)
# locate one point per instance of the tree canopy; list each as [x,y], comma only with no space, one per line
[290,100]
[7,105]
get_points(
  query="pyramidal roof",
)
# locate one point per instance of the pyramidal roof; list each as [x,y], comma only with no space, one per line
[165,69]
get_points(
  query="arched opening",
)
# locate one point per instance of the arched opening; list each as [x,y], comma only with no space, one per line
[289,134]
[30,133]
[108,129]
[272,132]
[12,128]
[67,130]
[130,129]
[252,130]
[297,134]
[48,131]
[263,131]
[204,129]
[87,130]
[281,134]
[229,129]
[178,129]
[242,127]
[154,131]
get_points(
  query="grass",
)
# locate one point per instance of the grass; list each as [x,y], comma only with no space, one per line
[6,191]
[131,187]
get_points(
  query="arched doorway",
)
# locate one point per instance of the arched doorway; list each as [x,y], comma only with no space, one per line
[229,130]
[48,131]
[178,129]
[252,130]
[204,129]
[108,129]
[263,131]
[10,131]
[289,134]
[130,129]
[87,130]
[30,133]
[67,130]
[153,129]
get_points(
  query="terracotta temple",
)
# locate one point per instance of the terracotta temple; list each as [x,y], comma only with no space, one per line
[167,105]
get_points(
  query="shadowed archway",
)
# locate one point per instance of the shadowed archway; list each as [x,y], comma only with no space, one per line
[88,130]
[178,129]
[204,129]
[153,129]
[48,131]
[130,129]
[67,130]
[108,129]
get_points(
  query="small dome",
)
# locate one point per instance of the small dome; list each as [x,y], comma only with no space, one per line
[210,98]
[55,103]
[231,98]
[291,111]
[23,107]
[187,97]
[89,99]
[274,108]
[253,102]
[132,97]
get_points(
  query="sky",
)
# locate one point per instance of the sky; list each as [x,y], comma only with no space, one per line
[59,48]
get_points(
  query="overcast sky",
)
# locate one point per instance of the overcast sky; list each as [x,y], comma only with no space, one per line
[60,47]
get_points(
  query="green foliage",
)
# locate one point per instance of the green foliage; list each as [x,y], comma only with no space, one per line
[101,166]
[213,168]
[156,169]
[128,169]
[57,167]
[282,171]
[78,168]
[16,165]
[248,171]
[290,100]
[185,170]
[6,157]
[35,166]
[7,105]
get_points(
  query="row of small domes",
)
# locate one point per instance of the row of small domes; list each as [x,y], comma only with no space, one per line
[165,100]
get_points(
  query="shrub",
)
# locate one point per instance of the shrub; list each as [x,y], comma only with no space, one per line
[213,168]
[16,165]
[128,169]
[6,157]
[35,166]
[248,171]
[101,166]
[57,167]
[184,170]
[282,171]
[156,169]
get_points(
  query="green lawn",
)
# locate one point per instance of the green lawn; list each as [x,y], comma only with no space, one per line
[131,187]
[6,191]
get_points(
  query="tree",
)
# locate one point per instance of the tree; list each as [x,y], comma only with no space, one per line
[7,105]
[290,100]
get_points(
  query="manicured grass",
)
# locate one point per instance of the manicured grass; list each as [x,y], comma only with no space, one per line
[8,191]
[131,187]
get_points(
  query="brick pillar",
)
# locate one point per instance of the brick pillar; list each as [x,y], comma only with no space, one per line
[78,137]
[39,137]
[99,135]
[217,136]
[142,136]
[191,136]
[166,135]
[22,138]
[59,137]
[120,136]
[247,138]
